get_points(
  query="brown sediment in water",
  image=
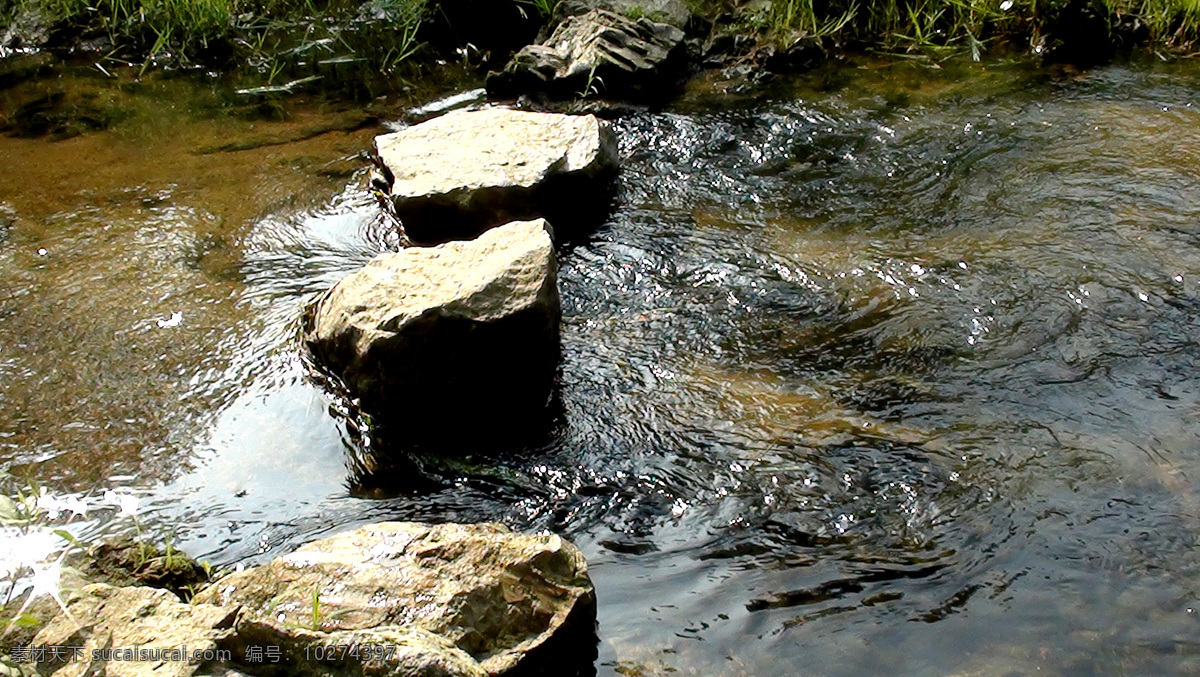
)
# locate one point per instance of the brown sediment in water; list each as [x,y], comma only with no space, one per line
[114,233]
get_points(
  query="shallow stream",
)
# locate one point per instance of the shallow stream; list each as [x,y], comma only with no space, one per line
[885,369]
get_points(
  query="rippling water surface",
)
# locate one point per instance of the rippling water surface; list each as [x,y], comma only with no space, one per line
[886,369]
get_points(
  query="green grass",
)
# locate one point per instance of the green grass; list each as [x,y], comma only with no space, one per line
[290,41]
[544,8]
[944,27]
[204,31]
[160,23]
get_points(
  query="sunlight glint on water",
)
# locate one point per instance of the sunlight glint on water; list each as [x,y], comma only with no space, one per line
[881,370]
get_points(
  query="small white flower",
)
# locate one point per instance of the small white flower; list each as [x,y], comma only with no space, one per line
[54,506]
[1006,5]
[50,504]
[36,546]
[44,580]
[128,503]
[76,505]
[22,549]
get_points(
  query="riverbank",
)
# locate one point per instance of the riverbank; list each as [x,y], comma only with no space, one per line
[287,41]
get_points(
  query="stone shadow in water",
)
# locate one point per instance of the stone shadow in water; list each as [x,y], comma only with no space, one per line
[574,205]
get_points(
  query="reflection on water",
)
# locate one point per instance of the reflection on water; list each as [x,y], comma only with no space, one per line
[881,370]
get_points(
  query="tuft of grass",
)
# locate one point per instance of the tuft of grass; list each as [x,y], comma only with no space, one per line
[262,32]
[315,618]
[943,28]
[544,8]
[150,25]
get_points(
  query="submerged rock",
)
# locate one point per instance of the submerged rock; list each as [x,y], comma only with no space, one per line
[438,339]
[596,53]
[63,114]
[459,174]
[453,599]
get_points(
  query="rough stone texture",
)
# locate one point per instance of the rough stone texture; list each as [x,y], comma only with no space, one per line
[417,600]
[126,562]
[29,28]
[389,650]
[672,12]
[459,174]
[457,599]
[103,616]
[596,53]
[42,607]
[462,336]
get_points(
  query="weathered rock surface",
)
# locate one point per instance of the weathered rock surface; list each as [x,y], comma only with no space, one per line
[392,650]
[127,562]
[457,175]
[599,52]
[29,27]
[455,599]
[416,600]
[102,616]
[462,335]
[40,607]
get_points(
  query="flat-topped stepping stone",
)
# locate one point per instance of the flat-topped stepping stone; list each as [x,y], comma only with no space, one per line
[440,340]
[457,175]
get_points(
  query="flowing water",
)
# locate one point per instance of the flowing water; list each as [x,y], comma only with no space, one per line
[885,369]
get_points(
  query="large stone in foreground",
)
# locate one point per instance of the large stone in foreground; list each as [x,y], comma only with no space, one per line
[102,617]
[456,175]
[398,599]
[456,599]
[454,338]
[596,53]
